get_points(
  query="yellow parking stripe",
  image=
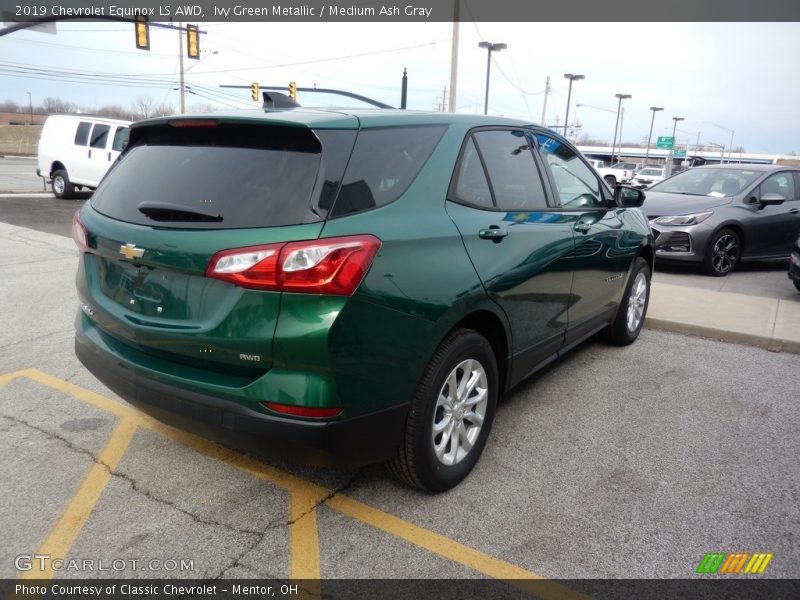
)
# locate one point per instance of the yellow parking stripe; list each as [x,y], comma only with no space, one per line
[452,550]
[303,497]
[76,514]
[303,536]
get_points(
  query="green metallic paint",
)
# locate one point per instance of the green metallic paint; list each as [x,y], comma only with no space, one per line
[367,352]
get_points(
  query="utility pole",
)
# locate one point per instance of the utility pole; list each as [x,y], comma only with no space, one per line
[451,104]
[546,94]
[180,63]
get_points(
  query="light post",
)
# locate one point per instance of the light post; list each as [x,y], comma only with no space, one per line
[30,106]
[616,124]
[489,49]
[655,109]
[668,163]
[571,78]
[730,146]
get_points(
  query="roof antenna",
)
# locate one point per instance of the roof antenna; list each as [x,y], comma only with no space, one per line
[277,101]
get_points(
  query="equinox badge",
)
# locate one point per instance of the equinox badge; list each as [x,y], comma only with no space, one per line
[131,251]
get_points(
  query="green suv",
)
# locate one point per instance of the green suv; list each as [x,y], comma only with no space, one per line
[349,287]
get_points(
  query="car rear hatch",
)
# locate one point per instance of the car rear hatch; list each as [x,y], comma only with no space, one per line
[169,228]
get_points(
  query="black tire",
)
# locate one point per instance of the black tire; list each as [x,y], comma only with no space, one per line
[611,181]
[632,310]
[797,285]
[722,254]
[416,462]
[61,185]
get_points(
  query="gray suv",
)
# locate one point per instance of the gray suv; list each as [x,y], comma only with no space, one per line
[715,216]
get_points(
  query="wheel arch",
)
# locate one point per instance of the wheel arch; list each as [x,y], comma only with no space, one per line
[490,326]
[58,165]
[734,226]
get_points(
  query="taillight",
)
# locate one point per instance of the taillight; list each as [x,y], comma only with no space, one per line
[79,234]
[303,411]
[326,266]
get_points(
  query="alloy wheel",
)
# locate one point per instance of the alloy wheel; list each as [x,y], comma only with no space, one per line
[725,253]
[460,412]
[636,302]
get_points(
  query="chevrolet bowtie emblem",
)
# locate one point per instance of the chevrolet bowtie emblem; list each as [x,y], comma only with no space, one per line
[131,251]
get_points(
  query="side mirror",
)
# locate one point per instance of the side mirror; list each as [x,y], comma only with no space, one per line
[628,197]
[771,199]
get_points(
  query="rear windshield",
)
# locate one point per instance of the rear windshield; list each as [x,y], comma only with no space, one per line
[223,176]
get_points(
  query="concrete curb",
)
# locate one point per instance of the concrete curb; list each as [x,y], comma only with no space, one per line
[734,337]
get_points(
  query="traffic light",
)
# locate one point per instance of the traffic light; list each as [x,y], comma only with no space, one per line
[192,42]
[142,30]
[254,91]
[293,90]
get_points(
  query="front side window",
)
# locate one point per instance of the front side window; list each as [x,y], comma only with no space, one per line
[514,178]
[576,183]
[781,184]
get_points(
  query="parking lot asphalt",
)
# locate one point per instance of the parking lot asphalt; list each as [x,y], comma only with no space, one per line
[614,462]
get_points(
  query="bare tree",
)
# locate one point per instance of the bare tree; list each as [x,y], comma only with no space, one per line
[57,105]
[10,106]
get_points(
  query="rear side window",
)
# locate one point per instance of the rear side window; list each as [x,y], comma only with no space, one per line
[384,163]
[100,136]
[121,139]
[82,133]
[222,177]
[514,177]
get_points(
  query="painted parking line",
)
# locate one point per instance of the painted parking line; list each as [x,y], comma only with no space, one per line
[82,504]
[304,497]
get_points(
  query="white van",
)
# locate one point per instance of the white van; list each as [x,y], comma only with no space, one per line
[75,151]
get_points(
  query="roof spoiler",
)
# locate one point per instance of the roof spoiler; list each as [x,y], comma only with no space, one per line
[277,101]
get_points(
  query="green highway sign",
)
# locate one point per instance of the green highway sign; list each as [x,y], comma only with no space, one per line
[665,142]
[679,153]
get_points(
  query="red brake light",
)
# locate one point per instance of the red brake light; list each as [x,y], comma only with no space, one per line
[79,234]
[326,266]
[303,411]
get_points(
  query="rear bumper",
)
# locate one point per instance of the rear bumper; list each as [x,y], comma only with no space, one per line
[350,442]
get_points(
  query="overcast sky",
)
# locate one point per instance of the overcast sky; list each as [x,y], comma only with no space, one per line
[741,76]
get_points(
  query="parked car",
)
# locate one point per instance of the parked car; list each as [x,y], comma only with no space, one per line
[75,151]
[350,287]
[794,264]
[647,177]
[620,172]
[597,164]
[715,216]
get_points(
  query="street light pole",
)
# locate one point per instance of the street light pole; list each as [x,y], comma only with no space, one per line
[616,123]
[668,165]
[571,78]
[655,109]
[730,146]
[489,49]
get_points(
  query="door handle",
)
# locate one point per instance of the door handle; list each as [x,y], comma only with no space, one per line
[109,157]
[494,233]
[90,153]
[794,211]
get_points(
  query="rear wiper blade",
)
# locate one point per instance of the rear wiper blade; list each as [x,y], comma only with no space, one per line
[164,211]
